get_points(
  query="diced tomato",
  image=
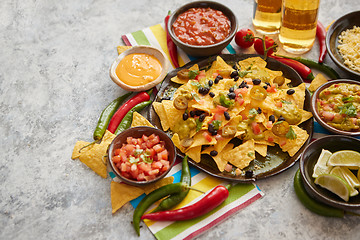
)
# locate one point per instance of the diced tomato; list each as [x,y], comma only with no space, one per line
[269,124]
[215,74]
[218,137]
[141,177]
[326,92]
[207,136]
[278,104]
[133,168]
[327,107]
[282,141]
[158,148]
[151,152]
[145,138]
[129,140]
[270,139]
[219,110]
[129,148]
[271,89]
[240,100]
[117,151]
[156,165]
[163,155]
[228,168]
[248,81]
[154,172]
[255,128]
[328,116]
[244,116]
[201,75]
[116,158]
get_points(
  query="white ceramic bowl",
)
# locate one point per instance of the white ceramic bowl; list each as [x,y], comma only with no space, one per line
[140,49]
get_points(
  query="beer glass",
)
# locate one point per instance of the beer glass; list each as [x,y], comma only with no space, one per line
[267,16]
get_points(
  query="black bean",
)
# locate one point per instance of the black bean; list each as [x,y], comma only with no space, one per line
[211,129]
[236,78]
[201,90]
[210,83]
[236,67]
[231,89]
[272,118]
[218,78]
[281,118]
[242,84]
[256,81]
[231,95]
[192,113]
[202,117]
[206,90]
[249,173]
[211,94]
[227,115]
[259,111]
[185,116]
[213,153]
[290,91]
[233,74]
[268,84]
[198,112]
[265,87]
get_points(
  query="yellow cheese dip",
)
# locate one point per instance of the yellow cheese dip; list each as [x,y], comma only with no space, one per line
[138,69]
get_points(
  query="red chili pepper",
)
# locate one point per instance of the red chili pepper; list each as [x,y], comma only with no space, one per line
[122,111]
[321,35]
[201,207]
[170,44]
[303,70]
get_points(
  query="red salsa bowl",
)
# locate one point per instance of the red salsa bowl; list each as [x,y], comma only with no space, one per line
[141,155]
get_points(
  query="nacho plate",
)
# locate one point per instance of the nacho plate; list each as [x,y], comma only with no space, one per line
[276,160]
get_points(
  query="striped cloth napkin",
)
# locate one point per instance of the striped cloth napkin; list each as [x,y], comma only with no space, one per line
[240,195]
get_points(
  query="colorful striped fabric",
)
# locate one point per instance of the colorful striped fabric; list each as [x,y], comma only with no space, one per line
[241,195]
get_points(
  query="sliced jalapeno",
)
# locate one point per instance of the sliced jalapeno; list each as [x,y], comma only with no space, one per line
[258,93]
[280,128]
[228,131]
[180,103]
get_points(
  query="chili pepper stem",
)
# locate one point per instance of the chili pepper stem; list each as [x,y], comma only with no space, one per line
[194,189]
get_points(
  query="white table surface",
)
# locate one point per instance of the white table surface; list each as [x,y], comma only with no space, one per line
[54,83]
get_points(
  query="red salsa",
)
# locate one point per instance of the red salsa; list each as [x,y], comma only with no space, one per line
[142,159]
[201,26]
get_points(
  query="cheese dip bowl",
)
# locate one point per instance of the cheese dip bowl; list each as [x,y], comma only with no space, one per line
[139,68]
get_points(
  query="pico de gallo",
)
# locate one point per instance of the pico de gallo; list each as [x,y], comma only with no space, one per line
[142,159]
[339,106]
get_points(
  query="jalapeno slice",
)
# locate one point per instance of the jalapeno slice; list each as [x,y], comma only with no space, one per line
[279,80]
[183,74]
[228,131]
[258,93]
[187,142]
[280,128]
[180,103]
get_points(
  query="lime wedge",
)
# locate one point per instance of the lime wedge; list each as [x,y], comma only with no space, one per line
[321,166]
[345,174]
[346,158]
[334,184]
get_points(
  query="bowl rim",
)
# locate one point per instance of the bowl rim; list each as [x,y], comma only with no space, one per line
[330,32]
[152,130]
[327,200]
[316,114]
[210,3]
[156,52]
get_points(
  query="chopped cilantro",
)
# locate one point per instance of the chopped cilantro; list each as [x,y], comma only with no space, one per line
[193,74]
[286,102]
[196,84]
[278,122]
[253,111]
[133,159]
[138,151]
[348,99]
[146,158]
[225,101]
[250,154]
[217,124]
[198,124]
[243,73]
[291,134]
[349,109]
[195,96]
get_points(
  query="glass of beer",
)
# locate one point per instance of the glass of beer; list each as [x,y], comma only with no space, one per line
[267,16]
[298,25]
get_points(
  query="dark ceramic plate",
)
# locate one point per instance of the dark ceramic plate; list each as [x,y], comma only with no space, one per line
[276,161]
[316,114]
[308,160]
[137,132]
[347,21]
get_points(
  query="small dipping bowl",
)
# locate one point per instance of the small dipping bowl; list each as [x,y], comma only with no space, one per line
[308,160]
[138,132]
[205,50]
[140,49]
[316,113]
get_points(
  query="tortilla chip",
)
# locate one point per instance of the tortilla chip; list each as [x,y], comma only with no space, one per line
[160,111]
[317,82]
[242,155]
[261,149]
[199,140]
[221,67]
[77,147]
[194,153]
[294,145]
[305,115]
[172,113]
[176,140]
[297,98]
[121,49]
[251,62]
[153,186]
[184,81]
[218,159]
[139,120]
[107,139]
[122,193]
[93,158]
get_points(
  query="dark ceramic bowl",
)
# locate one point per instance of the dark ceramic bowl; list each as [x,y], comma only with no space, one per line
[137,132]
[347,21]
[316,113]
[308,160]
[208,50]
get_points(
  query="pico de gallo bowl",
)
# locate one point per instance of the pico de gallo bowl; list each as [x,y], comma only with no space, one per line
[336,106]
[141,155]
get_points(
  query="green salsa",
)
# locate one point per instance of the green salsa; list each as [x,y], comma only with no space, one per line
[339,106]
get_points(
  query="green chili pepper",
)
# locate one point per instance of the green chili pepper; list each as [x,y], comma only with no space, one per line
[319,66]
[106,115]
[127,120]
[175,199]
[154,196]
